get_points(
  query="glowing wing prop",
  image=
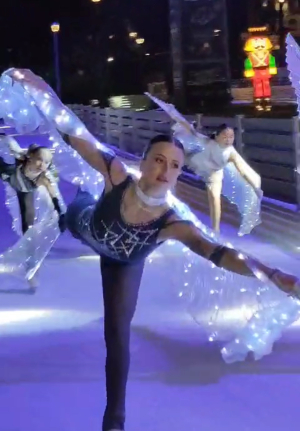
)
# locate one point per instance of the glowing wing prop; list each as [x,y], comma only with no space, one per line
[172,112]
[293,65]
[237,190]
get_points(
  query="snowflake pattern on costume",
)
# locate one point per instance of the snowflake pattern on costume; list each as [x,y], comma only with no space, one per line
[100,225]
[116,239]
[121,239]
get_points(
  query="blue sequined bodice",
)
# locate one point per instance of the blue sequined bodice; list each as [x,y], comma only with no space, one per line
[101,226]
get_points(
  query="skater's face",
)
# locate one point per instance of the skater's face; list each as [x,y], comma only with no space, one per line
[39,161]
[226,137]
[162,166]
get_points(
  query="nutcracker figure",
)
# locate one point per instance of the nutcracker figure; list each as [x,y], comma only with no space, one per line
[260,66]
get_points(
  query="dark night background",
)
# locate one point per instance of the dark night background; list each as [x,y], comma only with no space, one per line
[26,41]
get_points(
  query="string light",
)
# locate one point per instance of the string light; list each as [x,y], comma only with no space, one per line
[256,312]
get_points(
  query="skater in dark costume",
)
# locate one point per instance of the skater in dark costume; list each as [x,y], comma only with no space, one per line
[32,168]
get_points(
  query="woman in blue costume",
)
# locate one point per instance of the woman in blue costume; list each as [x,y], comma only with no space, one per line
[124,226]
[131,218]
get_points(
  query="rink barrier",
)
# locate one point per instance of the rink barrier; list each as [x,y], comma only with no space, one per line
[281,94]
[280,220]
[271,146]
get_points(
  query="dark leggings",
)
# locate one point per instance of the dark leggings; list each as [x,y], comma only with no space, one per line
[26,203]
[26,200]
[121,284]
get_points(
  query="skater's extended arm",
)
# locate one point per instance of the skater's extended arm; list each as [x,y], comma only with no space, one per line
[16,151]
[189,235]
[245,171]
[6,169]
[104,162]
[224,257]
[44,181]
[71,128]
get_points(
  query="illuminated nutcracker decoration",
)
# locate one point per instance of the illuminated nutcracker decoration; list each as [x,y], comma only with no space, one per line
[260,66]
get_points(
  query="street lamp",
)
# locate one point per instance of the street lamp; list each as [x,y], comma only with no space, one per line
[55,28]
[140,41]
[96,1]
[133,34]
[110,59]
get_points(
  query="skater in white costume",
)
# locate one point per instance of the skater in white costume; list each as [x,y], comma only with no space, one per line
[134,215]
[209,164]
[221,167]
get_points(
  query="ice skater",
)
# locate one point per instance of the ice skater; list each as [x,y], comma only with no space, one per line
[209,164]
[124,226]
[33,168]
[32,194]
[221,167]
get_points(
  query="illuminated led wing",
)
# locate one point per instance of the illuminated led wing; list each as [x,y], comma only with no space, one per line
[293,65]
[239,192]
[25,257]
[17,108]
[172,112]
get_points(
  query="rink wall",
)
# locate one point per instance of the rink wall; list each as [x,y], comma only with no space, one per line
[271,146]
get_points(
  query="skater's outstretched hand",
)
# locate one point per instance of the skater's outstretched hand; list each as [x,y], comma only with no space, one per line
[259,193]
[62,223]
[228,258]
[27,77]
[286,282]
